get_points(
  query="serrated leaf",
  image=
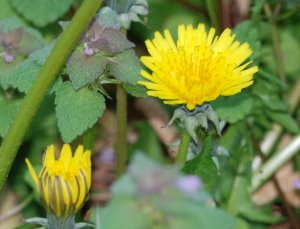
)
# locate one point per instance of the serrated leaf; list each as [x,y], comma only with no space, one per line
[6,69]
[125,66]
[285,120]
[233,108]
[42,54]
[84,69]
[108,18]
[25,73]
[108,39]
[247,33]
[136,90]
[8,111]
[203,166]
[41,12]
[77,111]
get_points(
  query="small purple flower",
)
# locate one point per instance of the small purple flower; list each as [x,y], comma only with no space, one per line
[107,155]
[9,58]
[188,184]
[89,51]
[297,184]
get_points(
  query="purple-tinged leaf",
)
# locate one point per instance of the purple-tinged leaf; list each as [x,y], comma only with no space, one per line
[84,69]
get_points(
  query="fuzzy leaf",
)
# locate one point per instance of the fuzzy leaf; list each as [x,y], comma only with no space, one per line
[84,69]
[233,108]
[41,55]
[203,166]
[8,112]
[107,39]
[41,12]
[126,67]
[136,90]
[6,69]
[108,18]
[25,73]
[77,111]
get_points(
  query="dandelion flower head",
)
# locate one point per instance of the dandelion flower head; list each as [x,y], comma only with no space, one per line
[63,183]
[198,68]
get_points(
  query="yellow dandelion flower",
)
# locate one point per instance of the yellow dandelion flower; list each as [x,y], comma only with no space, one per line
[198,69]
[63,183]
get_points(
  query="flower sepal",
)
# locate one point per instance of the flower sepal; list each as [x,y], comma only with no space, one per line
[57,223]
[201,116]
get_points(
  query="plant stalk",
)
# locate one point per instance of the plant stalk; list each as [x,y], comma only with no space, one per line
[277,50]
[183,148]
[212,15]
[88,138]
[40,86]
[121,148]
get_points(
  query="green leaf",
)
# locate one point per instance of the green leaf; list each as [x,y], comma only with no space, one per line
[8,111]
[25,73]
[84,69]
[42,54]
[125,66]
[233,108]
[256,9]
[290,43]
[125,211]
[136,90]
[41,12]
[285,120]
[108,18]
[203,166]
[77,111]
[6,69]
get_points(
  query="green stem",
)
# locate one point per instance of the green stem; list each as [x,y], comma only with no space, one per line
[212,15]
[121,148]
[88,138]
[40,86]
[183,148]
[278,56]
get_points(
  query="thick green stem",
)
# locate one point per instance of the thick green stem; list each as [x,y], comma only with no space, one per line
[212,15]
[33,99]
[183,148]
[121,125]
[88,138]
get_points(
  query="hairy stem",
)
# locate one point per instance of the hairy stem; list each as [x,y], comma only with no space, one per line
[183,148]
[122,126]
[37,92]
